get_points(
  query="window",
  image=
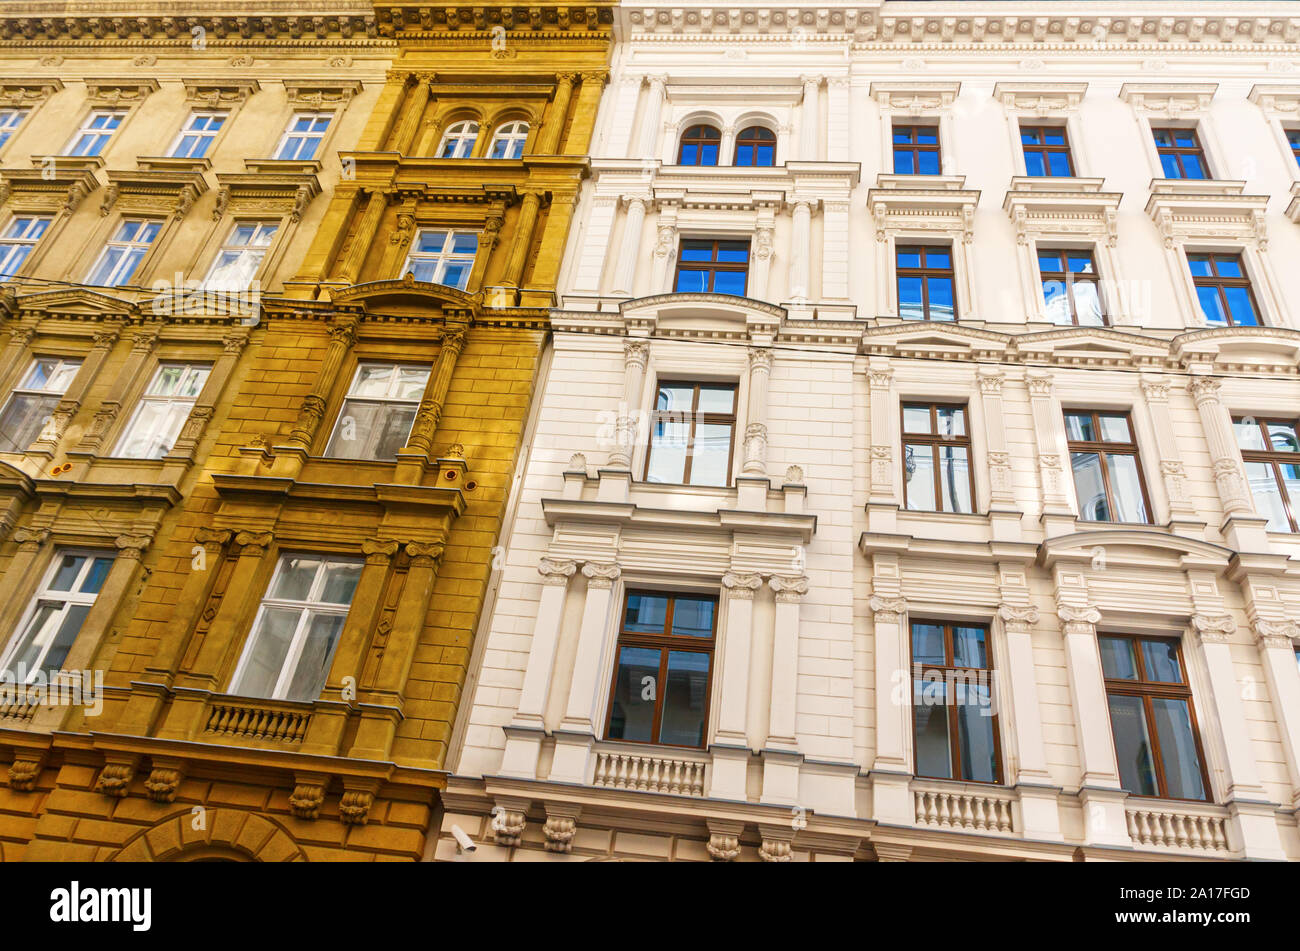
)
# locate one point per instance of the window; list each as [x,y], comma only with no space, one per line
[1292,139]
[297,628]
[303,137]
[1180,153]
[508,142]
[377,416]
[18,241]
[755,147]
[925,283]
[1223,289]
[196,137]
[700,144]
[936,441]
[1047,151]
[54,618]
[1107,475]
[443,257]
[240,258]
[713,267]
[955,727]
[1151,717]
[916,150]
[124,253]
[1070,293]
[162,411]
[33,400]
[691,434]
[10,120]
[661,677]
[96,131]
[458,141]
[1271,452]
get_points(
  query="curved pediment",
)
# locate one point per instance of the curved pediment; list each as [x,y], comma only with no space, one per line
[77,302]
[407,297]
[701,313]
[1135,545]
[926,338]
[1093,346]
[1270,349]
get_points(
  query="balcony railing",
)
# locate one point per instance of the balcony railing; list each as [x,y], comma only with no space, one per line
[964,809]
[256,720]
[1175,828]
[650,773]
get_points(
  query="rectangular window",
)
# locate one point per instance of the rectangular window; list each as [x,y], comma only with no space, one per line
[712,267]
[443,257]
[1070,293]
[1151,717]
[33,400]
[297,628]
[662,670]
[54,618]
[196,136]
[1047,151]
[954,720]
[95,132]
[691,434]
[916,150]
[10,120]
[1107,470]
[925,283]
[18,241]
[376,417]
[937,475]
[303,137]
[240,257]
[1180,153]
[1223,290]
[162,411]
[123,254]
[1271,452]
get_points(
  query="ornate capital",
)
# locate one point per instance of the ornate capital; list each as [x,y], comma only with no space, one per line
[600,575]
[1204,389]
[636,353]
[760,358]
[1214,629]
[1040,386]
[741,584]
[1019,618]
[379,551]
[789,589]
[991,383]
[253,544]
[424,555]
[887,610]
[344,331]
[1078,619]
[1156,390]
[556,571]
[215,537]
[31,539]
[132,546]
[1275,634]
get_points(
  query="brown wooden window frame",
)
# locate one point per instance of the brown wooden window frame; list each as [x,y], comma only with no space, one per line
[918,669]
[925,272]
[915,148]
[754,137]
[1274,458]
[1103,449]
[1068,278]
[664,642]
[1178,151]
[935,442]
[1044,150]
[1219,282]
[699,140]
[696,417]
[1147,689]
[714,266]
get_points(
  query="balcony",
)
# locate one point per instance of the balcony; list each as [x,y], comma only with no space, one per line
[1184,826]
[963,808]
[651,772]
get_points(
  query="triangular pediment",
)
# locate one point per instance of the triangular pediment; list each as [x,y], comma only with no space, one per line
[77,302]
[1093,344]
[928,337]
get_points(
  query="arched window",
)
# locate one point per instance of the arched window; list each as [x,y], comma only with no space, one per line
[699,146]
[508,143]
[755,146]
[458,141]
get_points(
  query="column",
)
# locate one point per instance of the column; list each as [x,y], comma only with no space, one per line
[343,334]
[1182,512]
[781,730]
[838,123]
[413,105]
[350,653]
[622,117]
[836,256]
[583,126]
[48,440]
[1038,793]
[891,770]
[425,427]
[801,252]
[232,345]
[549,138]
[1048,424]
[883,494]
[647,137]
[1217,425]
[207,667]
[630,249]
[733,694]
[727,147]
[1001,492]
[760,369]
[760,267]
[577,731]
[364,238]
[523,239]
[1275,639]
[636,354]
[143,342]
[810,119]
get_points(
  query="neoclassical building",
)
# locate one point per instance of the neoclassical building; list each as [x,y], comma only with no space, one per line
[272,321]
[915,474]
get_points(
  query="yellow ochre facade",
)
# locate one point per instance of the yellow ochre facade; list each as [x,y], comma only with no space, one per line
[273,327]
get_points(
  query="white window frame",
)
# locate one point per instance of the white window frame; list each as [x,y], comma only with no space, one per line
[509,133]
[205,137]
[464,134]
[386,399]
[442,258]
[11,120]
[116,277]
[297,139]
[267,229]
[69,598]
[11,243]
[25,389]
[305,608]
[148,398]
[87,129]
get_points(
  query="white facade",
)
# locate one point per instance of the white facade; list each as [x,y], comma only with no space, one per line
[819,567]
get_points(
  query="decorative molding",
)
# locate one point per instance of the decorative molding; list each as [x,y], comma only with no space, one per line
[1216,629]
[1078,619]
[556,571]
[741,584]
[887,610]
[600,575]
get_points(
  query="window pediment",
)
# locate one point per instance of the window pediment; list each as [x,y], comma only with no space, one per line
[19,93]
[1139,548]
[317,94]
[1061,207]
[1240,349]
[152,192]
[77,304]
[266,192]
[119,92]
[1040,99]
[1091,346]
[408,297]
[915,97]
[934,204]
[55,187]
[951,341]
[1169,100]
[1209,210]
[214,94]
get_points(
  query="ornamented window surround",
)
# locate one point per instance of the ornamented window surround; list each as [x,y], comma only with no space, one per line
[918,103]
[490,106]
[116,93]
[313,96]
[1184,105]
[29,95]
[486,219]
[1281,107]
[729,107]
[28,191]
[227,95]
[1045,101]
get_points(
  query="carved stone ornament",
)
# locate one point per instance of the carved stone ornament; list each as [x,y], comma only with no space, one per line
[1215,629]
[1078,619]
[1017,617]
[379,551]
[115,779]
[163,783]
[555,571]
[742,584]
[507,826]
[775,850]
[600,575]
[354,807]
[424,555]
[23,774]
[887,610]
[789,589]
[559,832]
[1275,634]
[307,799]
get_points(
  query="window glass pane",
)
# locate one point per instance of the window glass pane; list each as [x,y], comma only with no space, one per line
[1248,433]
[733,252]
[1117,661]
[955,473]
[941,305]
[340,581]
[903,163]
[373,379]
[153,429]
[64,638]
[729,282]
[23,419]
[969,647]
[685,696]
[1078,427]
[691,282]
[1160,661]
[927,644]
[676,398]
[910,304]
[1087,304]
[909,257]
[716,399]
[1126,488]
[1169,165]
[1113,428]
[1089,487]
[929,163]
[1291,480]
[313,665]
[918,471]
[646,613]
[975,737]
[67,573]
[1034,164]
[410,383]
[933,754]
[1056,303]
[1268,495]
[1128,723]
[951,420]
[1178,754]
[39,630]
[916,419]
[294,578]
[1192,167]
[693,617]
[1211,305]
[271,640]
[371,430]
[94,579]
[711,454]
[1240,306]
[668,451]
[1282,437]
[1199,265]
[1059,164]
[635,690]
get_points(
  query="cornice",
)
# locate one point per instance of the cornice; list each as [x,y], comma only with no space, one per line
[121,23]
[537,20]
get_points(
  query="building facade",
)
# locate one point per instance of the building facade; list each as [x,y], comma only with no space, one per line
[915,472]
[262,446]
